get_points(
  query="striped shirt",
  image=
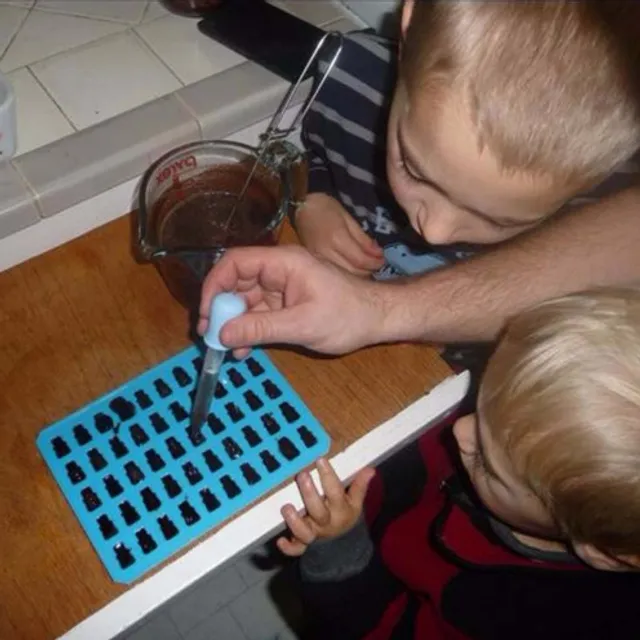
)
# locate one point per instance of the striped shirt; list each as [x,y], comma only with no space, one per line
[344,134]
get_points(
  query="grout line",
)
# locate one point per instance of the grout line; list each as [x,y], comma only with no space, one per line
[35,198]
[51,11]
[84,45]
[149,48]
[50,95]
[17,31]
[185,105]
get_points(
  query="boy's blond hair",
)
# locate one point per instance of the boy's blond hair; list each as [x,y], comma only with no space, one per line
[552,87]
[561,395]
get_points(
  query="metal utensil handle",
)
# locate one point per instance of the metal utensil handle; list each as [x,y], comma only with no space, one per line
[273,132]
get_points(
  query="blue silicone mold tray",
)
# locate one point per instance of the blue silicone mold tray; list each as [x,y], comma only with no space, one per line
[142,488]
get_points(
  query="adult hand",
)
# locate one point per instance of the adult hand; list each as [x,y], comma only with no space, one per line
[295,298]
[326,517]
[327,229]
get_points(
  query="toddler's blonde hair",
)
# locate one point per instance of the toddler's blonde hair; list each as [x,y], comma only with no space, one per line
[561,395]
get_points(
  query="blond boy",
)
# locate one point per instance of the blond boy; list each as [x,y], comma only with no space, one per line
[527,521]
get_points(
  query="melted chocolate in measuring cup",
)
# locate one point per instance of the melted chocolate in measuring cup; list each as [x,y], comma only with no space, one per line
[194,215]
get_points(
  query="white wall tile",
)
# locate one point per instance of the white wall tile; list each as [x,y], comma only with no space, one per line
[104,79]
[191,55]
[39,119]
[45,34]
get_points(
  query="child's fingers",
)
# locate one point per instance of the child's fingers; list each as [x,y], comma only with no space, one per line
[364,241]
[331,484]
[358,489]
[355,256]
[299,526]
[316,506]
[293,548]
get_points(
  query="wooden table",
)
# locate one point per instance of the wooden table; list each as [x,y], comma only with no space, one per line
[80,320]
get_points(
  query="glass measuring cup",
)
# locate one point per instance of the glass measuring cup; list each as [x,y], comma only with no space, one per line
[186,216]
[204,197]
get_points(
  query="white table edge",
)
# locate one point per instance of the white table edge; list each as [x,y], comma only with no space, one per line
[264,518]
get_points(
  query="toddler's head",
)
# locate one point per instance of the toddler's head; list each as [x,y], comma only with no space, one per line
[554,450]
[505,110]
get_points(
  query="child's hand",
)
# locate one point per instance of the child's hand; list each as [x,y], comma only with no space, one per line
[327,517]
[328,231]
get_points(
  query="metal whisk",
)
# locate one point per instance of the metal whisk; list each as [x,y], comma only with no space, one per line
[273,132]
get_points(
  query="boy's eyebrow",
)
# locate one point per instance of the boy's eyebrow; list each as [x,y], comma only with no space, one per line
[409,159]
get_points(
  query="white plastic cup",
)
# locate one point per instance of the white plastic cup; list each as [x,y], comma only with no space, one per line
[8,120]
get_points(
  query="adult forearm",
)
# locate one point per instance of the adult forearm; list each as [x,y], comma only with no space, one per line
[598,245]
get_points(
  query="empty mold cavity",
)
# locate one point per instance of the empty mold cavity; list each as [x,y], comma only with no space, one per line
[220,391]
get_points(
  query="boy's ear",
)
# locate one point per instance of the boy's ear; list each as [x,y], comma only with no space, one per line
[405,17]
[603,561]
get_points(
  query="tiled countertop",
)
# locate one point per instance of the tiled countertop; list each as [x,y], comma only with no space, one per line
[106,86]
